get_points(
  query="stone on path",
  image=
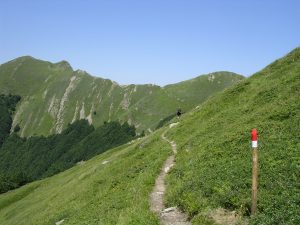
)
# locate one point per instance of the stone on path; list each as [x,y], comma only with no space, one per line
[105,162]
[59,222]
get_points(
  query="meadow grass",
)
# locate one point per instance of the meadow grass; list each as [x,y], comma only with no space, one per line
[214,162]
[112,188]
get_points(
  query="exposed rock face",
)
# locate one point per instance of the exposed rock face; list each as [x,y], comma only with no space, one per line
[59,118]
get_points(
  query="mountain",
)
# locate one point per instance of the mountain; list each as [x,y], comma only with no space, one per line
[190,93]
[53,95]
[212,170]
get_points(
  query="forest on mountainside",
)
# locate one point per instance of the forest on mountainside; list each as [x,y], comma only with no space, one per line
[23,160]
[7,108]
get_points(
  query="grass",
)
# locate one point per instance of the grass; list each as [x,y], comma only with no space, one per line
[201,87]
[93,193]
[214,163]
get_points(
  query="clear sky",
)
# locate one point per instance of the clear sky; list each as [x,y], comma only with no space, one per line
[151,41]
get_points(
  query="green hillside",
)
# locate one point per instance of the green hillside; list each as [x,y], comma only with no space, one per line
[213,164]
[112,188]
[190,93]
[54,95]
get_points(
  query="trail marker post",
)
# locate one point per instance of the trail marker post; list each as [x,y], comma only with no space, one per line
[254,171]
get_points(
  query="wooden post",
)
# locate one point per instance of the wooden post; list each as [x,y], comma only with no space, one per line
[254,172]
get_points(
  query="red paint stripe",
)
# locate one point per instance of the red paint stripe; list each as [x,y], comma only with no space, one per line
[254,135]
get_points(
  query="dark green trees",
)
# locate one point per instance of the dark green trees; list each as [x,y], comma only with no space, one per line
[7,107]
[26,159]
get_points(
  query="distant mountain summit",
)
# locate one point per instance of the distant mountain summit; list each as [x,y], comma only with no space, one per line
[64,65]
[53,95]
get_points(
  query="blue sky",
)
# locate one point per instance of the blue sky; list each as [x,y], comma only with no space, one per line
[153,41]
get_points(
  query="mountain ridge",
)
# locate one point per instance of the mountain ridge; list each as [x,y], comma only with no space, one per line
[78,70]
[53,95]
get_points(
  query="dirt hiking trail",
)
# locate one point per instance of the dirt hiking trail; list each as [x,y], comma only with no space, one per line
[172,215]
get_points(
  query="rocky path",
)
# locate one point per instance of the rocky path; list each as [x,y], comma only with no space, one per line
[172,215]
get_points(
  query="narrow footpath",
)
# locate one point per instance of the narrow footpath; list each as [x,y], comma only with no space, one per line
[172,215]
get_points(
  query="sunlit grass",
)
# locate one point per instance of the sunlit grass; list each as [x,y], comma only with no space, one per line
[214,163]
[115,192]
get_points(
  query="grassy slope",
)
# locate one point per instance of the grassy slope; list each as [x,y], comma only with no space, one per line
[54,95]
[214,163]
[93,193]
[200,88]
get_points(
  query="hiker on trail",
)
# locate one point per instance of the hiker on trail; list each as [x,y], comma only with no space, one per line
[178,113]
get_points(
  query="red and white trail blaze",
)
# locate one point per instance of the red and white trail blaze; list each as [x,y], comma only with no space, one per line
[254,138]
